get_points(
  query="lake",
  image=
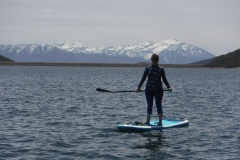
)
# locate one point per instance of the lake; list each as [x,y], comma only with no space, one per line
[56,113]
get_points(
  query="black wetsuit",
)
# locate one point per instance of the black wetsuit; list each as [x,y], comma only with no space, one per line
[154,86]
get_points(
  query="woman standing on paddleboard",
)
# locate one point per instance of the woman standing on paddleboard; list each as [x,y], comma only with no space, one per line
[154,87]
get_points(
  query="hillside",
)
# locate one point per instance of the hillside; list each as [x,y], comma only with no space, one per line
[2,58]
[230,60]
[204,61]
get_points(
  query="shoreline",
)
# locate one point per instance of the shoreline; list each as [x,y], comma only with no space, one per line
[98,64]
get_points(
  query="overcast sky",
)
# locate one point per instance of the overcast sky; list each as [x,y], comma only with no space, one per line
[213,25]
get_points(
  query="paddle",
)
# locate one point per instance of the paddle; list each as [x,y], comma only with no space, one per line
[104,90]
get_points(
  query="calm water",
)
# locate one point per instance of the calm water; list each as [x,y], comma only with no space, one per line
[55,113]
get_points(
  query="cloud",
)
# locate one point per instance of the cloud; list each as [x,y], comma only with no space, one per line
[46,10]
[212,25]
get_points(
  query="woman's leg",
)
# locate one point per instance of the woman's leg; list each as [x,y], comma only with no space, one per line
[149,98]
[158,100]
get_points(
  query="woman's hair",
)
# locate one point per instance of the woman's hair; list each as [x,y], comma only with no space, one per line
[155,56]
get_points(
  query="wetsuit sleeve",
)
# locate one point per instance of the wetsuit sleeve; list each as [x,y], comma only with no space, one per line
[143,77]
[164,78]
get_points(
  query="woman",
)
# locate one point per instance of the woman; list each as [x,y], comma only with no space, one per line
[154,87]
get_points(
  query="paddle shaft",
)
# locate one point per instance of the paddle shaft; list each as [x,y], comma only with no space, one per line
[104,90]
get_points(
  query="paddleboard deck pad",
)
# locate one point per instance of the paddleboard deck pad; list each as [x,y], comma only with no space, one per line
[139,127]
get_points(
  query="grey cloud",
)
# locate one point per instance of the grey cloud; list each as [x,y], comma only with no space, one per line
[210,24]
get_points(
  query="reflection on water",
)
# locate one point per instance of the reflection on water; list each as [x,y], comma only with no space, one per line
[156,145]
[154,140]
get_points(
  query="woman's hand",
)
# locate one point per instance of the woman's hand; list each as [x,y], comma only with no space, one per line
[170,89]
[138,89]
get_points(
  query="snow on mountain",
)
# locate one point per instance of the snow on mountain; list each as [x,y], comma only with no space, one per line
[68,45]
[170,51]
[75,47]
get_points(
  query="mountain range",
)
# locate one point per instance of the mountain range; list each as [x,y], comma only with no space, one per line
[170,52]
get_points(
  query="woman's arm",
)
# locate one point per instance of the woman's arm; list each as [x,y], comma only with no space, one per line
[143,78]
[165,79]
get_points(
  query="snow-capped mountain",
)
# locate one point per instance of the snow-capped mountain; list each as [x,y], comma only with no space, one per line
[170,52]
[66,45]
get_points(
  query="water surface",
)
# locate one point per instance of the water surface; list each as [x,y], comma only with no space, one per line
[56,113]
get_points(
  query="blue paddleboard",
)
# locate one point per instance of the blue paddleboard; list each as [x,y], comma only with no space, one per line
[166,123]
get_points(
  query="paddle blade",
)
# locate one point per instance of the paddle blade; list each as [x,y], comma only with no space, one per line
[102,90]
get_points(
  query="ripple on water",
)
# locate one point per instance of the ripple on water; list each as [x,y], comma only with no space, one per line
[56,113]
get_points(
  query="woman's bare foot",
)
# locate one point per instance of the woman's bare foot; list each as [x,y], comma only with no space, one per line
[159,124]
